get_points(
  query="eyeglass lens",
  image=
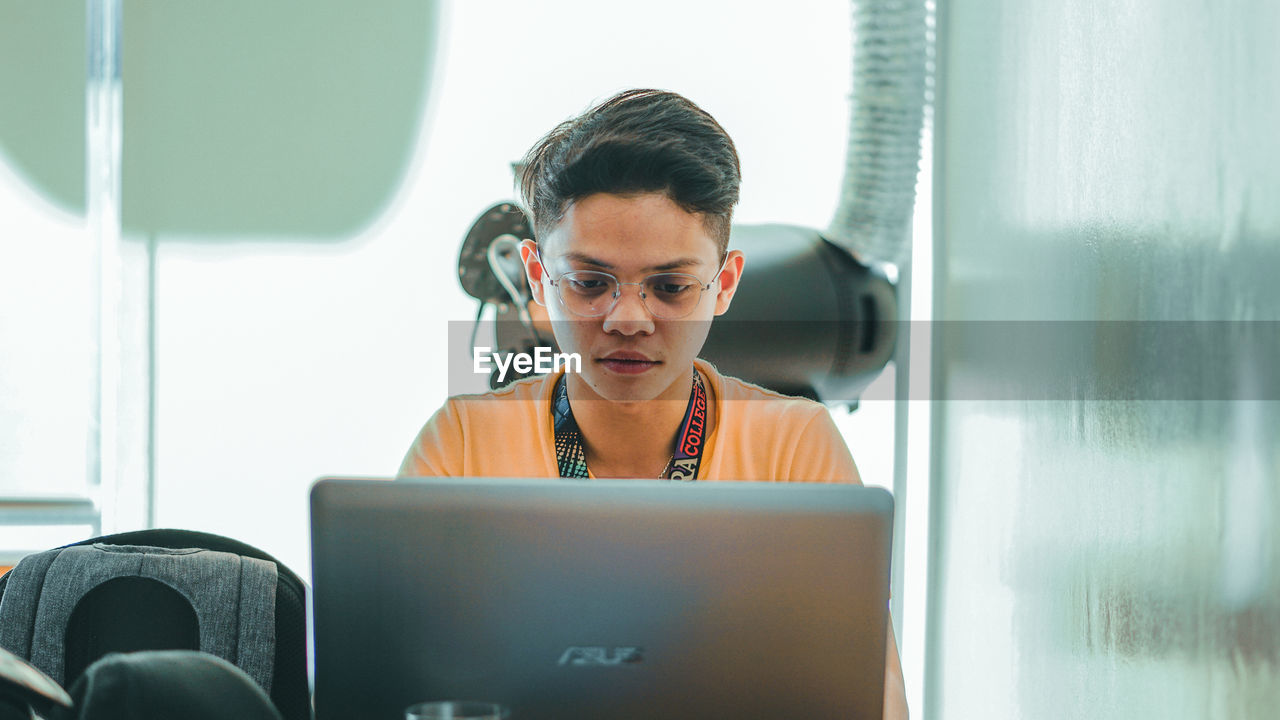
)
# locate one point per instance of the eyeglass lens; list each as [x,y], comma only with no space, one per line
[665,295]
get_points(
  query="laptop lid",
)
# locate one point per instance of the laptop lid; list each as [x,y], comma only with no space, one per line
[600,599]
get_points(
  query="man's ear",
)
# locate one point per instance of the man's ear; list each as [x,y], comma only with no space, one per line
[729,278]
[533,270]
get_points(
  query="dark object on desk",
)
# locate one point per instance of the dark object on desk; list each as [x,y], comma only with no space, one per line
[11,708]
[575,600]
[144,590]
[24,688]
[166,684]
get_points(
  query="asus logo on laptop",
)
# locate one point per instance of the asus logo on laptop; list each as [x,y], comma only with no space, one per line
[606,656]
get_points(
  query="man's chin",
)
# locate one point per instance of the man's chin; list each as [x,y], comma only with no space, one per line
[626,390]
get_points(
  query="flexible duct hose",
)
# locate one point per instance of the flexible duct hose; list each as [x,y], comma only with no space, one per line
[892,89]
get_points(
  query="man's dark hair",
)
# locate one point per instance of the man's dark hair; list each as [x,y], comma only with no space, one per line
[636,141]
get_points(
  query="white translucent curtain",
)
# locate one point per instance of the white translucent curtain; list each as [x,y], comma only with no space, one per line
[1106,477]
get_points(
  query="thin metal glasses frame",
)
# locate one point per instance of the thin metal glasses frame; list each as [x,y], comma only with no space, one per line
[618,285]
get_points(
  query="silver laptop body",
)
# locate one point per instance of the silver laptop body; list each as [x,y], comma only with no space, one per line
[620,600]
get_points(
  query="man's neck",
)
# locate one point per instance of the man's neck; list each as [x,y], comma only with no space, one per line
[633,439]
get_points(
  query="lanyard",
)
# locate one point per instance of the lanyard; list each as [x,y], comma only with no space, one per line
[571,456]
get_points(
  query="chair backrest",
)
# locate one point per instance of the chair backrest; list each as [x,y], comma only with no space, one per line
[143,590]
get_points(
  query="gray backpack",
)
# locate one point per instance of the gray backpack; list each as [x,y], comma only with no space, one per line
[64,609]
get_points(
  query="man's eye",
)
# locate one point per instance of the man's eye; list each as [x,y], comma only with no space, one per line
[672,287]
[586,285]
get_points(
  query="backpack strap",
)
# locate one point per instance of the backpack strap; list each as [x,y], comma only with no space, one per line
[23,585]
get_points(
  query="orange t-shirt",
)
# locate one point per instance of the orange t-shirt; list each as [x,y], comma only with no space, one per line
[758,435]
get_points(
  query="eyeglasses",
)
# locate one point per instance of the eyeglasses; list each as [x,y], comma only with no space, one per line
[667,296]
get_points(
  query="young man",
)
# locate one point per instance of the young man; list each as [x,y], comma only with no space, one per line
[631,205]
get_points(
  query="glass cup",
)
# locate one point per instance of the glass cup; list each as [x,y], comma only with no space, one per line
[456,710]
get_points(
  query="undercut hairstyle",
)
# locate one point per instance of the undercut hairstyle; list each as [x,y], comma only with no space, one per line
[636,141]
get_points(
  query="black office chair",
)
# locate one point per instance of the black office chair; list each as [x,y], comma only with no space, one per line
[132,592]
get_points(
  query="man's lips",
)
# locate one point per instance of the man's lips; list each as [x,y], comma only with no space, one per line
[627,362]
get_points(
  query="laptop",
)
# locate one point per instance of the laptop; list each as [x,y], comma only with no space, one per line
[615,599]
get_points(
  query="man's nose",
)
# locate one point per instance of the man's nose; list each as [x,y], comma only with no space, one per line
[629,315]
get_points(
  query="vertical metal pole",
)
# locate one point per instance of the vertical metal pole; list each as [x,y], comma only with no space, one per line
[901,454]
[102,195]
[937,510]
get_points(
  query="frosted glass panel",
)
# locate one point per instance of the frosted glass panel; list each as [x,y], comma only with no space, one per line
[1107,542]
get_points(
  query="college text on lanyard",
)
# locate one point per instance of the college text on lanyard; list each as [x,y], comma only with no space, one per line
[571,456]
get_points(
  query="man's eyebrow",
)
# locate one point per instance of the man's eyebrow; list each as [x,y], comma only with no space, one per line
[588,260]
[680,263]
